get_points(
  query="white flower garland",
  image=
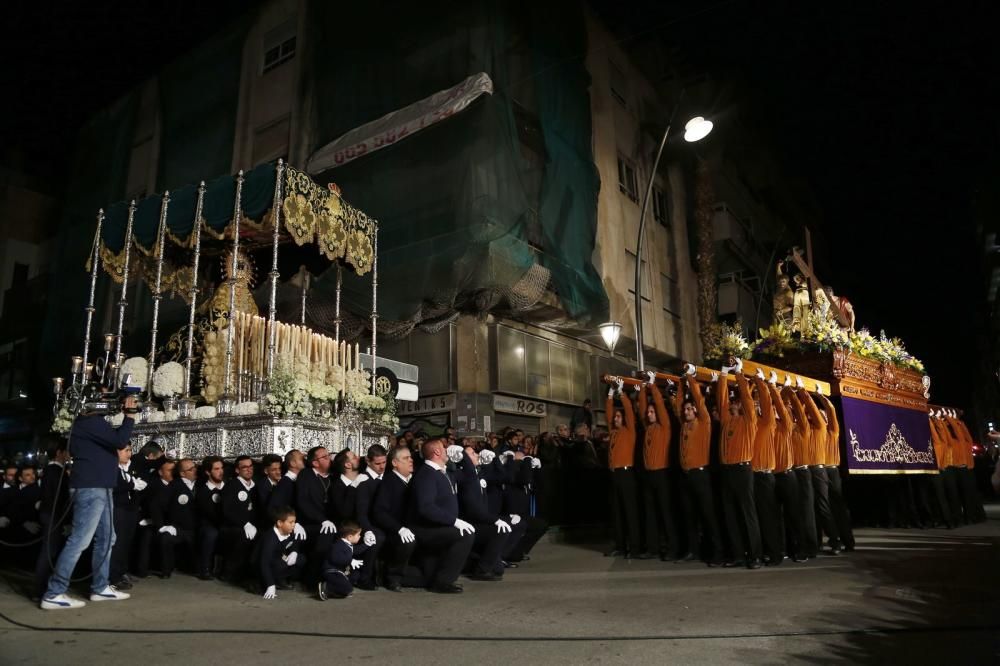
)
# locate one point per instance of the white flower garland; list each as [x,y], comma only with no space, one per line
[205,412]
[168,380]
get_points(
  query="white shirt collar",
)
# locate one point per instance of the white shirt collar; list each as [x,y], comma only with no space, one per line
[188,482]
[373,475]
[246,484]
[291,475]
[406,479]
[122,467]
[281,537]
[434,465]
[166,483]
[212,485]
[346,481]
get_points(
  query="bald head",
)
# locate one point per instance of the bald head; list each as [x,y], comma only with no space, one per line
[433,450]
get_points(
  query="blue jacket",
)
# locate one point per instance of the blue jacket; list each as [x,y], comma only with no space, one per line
[433,500]
[94,445]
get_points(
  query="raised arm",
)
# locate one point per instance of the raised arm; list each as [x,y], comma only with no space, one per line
[644,401]
[698,399]
[661,409]
[764,396]
[629,412]
[801,422]
[779,406]
[812,412]
[722,400]
[743,387]
[832,425]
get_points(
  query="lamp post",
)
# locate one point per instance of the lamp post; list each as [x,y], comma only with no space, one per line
[696,129]
[610,332]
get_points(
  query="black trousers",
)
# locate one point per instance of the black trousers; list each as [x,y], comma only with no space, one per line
[370,555]
[338,583]
[488,547]
[950,478]
[769,517]
[146,537]
[943,513]
[126,521]
[972,504]
[444,551]
[318,547]
[838,505]
[397,556]
[741,512]
[625,510]
[699,516]
[237,550]
[821,499]
[169,545]
[810,542]
[533,528]
[661,528]
[786,491]
[52,544]
[281,572]
[208,537]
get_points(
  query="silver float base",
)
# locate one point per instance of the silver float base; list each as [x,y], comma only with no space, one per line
[231,436]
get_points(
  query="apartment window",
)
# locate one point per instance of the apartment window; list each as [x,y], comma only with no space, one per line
[619,84]
[647,289]
[279,53]
[661,207]
[671,295]
[626,178]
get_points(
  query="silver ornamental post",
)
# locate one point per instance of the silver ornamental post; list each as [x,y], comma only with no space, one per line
[374,300]
[157,289]
[194,288]
[123,301]
[230,316]
[336,306]
[273,310]
[95,263]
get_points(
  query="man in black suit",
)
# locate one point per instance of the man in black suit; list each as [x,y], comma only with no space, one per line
[312,496]
[493,532]
[153,511]
[388,513]
[179,521]
[284,493]
[238,520]
[264,487]
[209,498]
[517,502]
[344,492]
[126,497]
[53,514]
[443,538]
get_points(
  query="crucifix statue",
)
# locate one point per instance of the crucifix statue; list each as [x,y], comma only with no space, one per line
[839,306]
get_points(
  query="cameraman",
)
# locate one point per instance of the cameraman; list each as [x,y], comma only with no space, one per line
[94,445]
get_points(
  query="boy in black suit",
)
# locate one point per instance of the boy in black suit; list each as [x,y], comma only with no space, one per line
[278,560]
[340,569]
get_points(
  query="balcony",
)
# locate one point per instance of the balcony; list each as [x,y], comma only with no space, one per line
[737,249]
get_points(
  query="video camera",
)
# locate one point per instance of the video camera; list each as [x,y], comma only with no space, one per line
[97,399]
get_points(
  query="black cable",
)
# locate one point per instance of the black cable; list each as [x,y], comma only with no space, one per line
[519,639]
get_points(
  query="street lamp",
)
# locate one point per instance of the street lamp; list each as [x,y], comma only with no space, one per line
[696,129]
[610,332]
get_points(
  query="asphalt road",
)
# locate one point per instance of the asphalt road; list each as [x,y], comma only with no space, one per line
[905,596]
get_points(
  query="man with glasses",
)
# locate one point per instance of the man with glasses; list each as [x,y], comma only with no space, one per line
[177,517]
[388,513]
[239,527]
[312,494]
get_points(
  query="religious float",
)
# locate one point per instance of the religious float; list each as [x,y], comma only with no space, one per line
[231,381]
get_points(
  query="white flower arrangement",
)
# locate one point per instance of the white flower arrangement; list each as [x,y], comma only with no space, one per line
[168,380]
[138,368]
[358,384]
[171,415]
[155,416]
[63,420]
[246,409]
[369,402]
[205,412]
[322,391]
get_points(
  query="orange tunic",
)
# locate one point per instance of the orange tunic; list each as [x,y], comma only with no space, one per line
[816,448]
[622,441]
[970,457]
[696,436]
[783,456]
[832,433]
[656,442]
[942,452]
[738,432]
[763,442]
[961,443]
[800,433]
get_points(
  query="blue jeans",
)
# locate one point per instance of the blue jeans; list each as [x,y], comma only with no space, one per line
[92,520]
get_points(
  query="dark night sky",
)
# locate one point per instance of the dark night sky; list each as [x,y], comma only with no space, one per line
[882,111]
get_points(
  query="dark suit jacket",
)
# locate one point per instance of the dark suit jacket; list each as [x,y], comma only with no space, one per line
[434,502]
[389,506]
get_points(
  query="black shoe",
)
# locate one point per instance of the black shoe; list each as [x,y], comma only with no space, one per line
[644,556]
[204,575]
[616,553]
[123,584]
[394,587]
[446,588]
[773,563]
[509,565]
[367,586]
[835,551]
[288,585]
[489,577]
[687,557]
[731,564]
[715,563]
[753,564]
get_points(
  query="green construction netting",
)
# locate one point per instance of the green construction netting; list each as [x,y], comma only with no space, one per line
[459,202]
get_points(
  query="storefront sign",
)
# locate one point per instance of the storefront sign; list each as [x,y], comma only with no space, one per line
[509,405]
[427,405]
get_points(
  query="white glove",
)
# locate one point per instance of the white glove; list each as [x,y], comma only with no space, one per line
[502,527]
[168,529]
[690,370]
[464,527]
[31,527]
[250,531]
[760,374]
[327,527]
[292,559]
[486,456]
[536,463]
[773,380]
[619,384]
[739,365]
[611,392]
[144,522]
[299,532]
[138,483]
[369,538]
[715,376]
[406,536]
[726,369]
[954,414]
[507,455]
[271,592]
[788,380]
[455,453]
[819,389]
[514,519]
[799,383]
[4,522]
[650,377]
[357,564]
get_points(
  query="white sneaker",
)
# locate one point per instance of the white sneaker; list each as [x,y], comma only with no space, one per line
[109,594]
[61,601]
